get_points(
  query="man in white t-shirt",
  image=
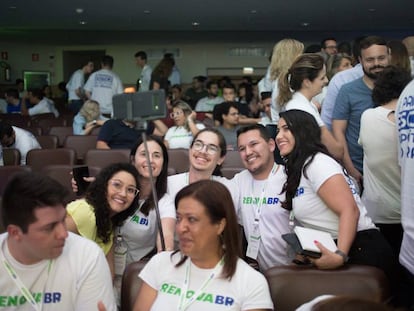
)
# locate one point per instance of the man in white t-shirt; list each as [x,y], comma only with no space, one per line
[256,192]
[40,104]
[206,104]
[102,85]
[144,79]
[42,266]
[405,126]
[15,137]
[75,86]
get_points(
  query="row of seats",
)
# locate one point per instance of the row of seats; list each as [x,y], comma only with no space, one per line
[292,286]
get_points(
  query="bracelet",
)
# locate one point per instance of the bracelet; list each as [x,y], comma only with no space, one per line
[343,255]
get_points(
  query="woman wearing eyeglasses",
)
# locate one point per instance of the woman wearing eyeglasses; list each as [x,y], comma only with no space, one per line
[181,135]
[110,199]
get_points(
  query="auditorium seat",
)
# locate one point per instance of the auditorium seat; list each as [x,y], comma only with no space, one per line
[48,141]
[131,284]
[178,160]
[11,156]
[104,157]
[39,158]
[81,143]
[292,286]
[7,172]
[61,132]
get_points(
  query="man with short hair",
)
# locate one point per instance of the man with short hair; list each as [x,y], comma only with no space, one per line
[257,195]
[143,82]
[206,104]
[39,103]
[75,86]
[266,108]
[102,85]
[13,101]
[353,99]
[196,91]
[328,47]
[43,267]
[15,137]
[228,117]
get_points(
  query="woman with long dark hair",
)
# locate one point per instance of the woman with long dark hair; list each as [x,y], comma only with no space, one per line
[320,195]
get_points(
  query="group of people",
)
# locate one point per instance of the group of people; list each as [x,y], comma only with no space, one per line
[195,236]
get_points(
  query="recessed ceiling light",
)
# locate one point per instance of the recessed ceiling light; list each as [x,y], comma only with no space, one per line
[79,10]
[12,7]
[304,24]
[253,11]
[83,22]
[147,12]
[372,10]
[195,24]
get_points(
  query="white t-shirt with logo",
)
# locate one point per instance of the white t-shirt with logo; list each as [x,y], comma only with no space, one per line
[246,290]
[78,279]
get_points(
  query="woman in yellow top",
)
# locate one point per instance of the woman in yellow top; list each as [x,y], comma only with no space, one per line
[110,199]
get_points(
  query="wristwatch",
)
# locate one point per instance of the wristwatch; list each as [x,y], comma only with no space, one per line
[343,255]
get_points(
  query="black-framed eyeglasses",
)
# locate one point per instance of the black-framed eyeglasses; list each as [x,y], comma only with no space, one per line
[211,149]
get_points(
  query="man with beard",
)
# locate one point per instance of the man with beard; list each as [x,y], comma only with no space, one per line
[206,104]
[353,99]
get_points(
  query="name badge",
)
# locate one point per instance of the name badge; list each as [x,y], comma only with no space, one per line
[254,242]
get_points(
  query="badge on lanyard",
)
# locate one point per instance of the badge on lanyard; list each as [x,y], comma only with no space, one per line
[254,241]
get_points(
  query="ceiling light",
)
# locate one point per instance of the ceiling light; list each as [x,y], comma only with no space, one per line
[147,12]
[83,22]
[195,24]
[248,70]
[304,24]
[253,11]
[79,10]
[372,10]
[12,7]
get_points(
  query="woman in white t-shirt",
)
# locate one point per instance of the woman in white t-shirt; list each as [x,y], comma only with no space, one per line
[303,81]
[320,195]
[181,134]
[206,272]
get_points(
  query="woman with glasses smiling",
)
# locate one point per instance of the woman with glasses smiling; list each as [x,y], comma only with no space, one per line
[181,134]
[110,199]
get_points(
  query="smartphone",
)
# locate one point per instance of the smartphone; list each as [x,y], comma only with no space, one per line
[78,174]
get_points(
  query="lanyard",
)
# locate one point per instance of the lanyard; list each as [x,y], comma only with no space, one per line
[183,305]
[258,209]
[19,284]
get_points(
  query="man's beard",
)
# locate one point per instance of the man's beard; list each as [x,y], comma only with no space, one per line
[373,75]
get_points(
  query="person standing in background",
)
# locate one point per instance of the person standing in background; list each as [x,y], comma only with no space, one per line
[75,86]
[143,82]
[102,85]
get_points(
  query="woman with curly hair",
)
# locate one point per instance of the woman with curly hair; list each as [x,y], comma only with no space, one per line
[110,199]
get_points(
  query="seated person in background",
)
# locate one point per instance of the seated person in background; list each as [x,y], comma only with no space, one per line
[227,114]
[110,199]
[321,196]
[208,259]
[39,257]
[181,135]
[15,137]
[206,104]
[196,91]
[88,117]
[266,108]
[13,101]
[39,103]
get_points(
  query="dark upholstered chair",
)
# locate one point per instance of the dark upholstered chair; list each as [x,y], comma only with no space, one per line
[7,172]
[61,132]
[39,158]
[104,157]
[131,284]
[11,156]
[48,141]
[292,286]
[178,160]
[81,143]
[233,159]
